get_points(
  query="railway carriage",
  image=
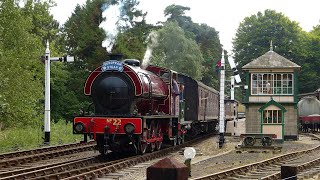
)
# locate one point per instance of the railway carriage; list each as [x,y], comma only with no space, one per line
[309,113]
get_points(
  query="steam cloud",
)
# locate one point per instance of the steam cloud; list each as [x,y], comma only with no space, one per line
[153,43]
[111,14]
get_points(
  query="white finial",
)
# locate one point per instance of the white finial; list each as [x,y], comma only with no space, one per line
[47,47]
[271,47]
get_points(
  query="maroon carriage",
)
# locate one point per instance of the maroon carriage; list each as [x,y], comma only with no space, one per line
[309,113]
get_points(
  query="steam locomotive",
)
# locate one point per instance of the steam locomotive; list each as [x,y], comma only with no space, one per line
[140,109]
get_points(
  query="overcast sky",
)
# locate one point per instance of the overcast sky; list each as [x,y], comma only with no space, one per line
[223,15]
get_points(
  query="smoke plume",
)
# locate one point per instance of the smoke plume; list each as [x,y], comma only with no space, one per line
[152,43]
[111,14]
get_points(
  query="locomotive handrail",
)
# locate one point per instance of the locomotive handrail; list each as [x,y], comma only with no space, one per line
[150,92]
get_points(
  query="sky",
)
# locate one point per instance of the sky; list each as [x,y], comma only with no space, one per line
[224,15]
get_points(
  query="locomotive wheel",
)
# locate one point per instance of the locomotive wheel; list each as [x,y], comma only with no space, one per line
[158,145]
[182,139]
[249,141]
[142,146]
[152,147]
[179,140]
[175,141]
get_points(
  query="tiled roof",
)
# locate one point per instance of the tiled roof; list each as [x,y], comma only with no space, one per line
[270,60]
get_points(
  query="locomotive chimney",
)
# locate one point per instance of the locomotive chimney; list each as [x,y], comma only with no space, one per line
[115,56]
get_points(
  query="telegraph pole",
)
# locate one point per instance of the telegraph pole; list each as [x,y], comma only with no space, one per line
[47,61]
[221,112]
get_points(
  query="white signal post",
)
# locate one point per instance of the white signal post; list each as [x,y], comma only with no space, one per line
[236,77]
[221,114]
[47,62]
[233,101]
[47,96]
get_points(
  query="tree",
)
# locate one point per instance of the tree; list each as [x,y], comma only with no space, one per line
[133,32]
[132,42]
[176,13]
[83,35]
[205,36]
[310,68]
[208,40]
[43,23]
[21,72]
[255,33]
[177,52]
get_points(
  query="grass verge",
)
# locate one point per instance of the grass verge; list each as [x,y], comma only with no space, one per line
[24,138]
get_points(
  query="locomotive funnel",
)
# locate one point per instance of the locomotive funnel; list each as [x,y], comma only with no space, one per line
[115,56]
[132,62]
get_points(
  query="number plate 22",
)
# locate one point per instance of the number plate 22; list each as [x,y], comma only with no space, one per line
[114,121]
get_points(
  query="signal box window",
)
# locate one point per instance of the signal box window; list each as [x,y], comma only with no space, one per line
[271,84]
[272,117]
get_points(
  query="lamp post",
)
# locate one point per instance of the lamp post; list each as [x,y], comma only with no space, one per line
[47,61]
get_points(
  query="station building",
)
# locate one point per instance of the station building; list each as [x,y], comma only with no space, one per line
[271,97]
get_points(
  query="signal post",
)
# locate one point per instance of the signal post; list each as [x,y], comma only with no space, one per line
[46,59]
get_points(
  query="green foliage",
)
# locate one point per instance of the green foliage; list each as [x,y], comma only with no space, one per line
[310,70]
[67,101]
[208,40]
[205,36]
[176,13]
[83,35]
[133,34]
[30,137]
[130,15]
[43,24]
[177,52]
[21,87]
[130,44]
[255,33]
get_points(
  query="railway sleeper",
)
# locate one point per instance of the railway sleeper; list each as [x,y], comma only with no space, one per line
[309,175]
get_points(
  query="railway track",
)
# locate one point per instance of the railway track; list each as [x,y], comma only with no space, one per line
[22,157]
[88,168]
[307,161]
